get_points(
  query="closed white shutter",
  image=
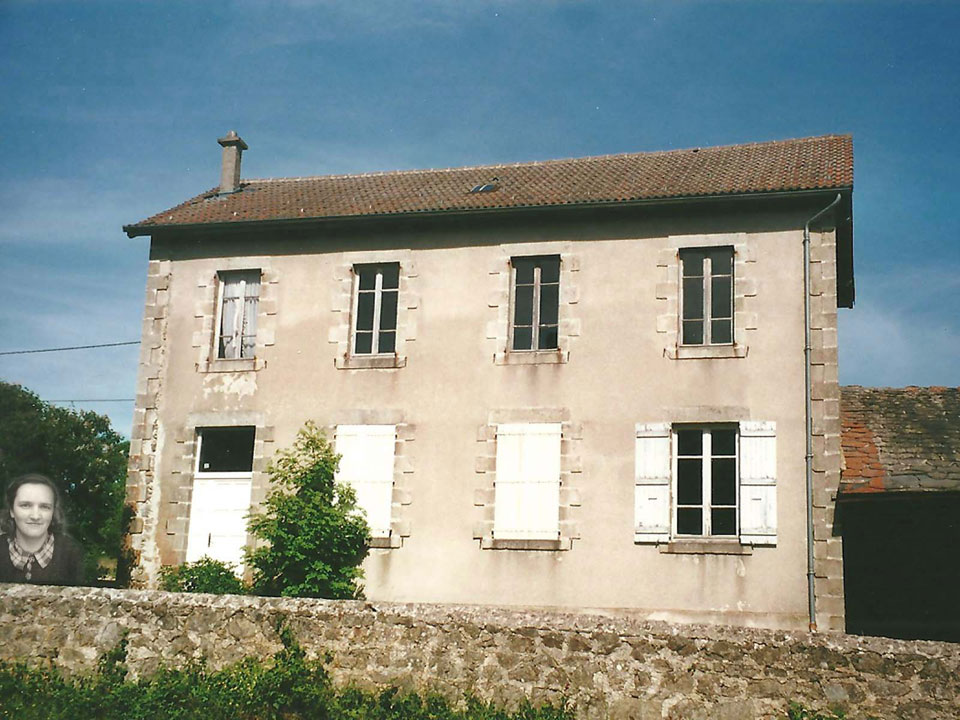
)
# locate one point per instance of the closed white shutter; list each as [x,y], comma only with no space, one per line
[652,483]
[218,520]
[758,483]
[366,464]
[527,502]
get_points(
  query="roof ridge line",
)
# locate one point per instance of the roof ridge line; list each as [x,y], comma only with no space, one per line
[535,163]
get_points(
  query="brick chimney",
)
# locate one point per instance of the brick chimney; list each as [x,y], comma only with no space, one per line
[233,147]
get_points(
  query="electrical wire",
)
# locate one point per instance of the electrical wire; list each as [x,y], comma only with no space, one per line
[64,349]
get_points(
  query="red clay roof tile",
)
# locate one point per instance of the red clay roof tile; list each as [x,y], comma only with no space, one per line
[815,163]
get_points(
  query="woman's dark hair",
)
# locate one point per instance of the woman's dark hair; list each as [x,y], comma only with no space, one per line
[58,524]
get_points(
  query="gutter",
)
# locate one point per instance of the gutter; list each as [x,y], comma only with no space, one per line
[137,230]
[811,596]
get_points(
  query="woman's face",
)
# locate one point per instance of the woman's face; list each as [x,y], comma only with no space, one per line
[32,510]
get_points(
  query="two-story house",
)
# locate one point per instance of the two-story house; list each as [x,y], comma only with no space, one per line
[596,383]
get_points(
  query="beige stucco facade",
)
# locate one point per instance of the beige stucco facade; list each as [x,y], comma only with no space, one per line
[618,366]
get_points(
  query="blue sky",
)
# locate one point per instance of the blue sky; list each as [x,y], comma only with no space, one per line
[111,108]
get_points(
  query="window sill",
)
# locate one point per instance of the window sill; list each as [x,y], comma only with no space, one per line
[490,543]
[362,362]
[705,547]
[532,357]
[693,352]
[385,542]
[240,365]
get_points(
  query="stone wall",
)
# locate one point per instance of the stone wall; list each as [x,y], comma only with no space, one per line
[609,667]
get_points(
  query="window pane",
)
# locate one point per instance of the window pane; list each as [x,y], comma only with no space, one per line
[720,332]
[365,311]
[368,278]
[524,270]
[388,342]
[548,338]
[364,343]
[723,481]
[689,442]
[693,332]
[523,312]
[720,306]
[523,338]
[690,521]
[388,311]
[724,442]
[721,261]
[549,304]
[391,277]
[723,521]
[692,298]
[226,449]
[692,264]
[689,482]
[550,270]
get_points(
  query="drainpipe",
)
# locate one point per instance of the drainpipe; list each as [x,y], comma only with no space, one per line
[811,597]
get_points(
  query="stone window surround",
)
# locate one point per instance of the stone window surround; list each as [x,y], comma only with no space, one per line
[179,486]
[341,330]
[668,289]
[571,436]
[500,303]
[403,468]
[207,311]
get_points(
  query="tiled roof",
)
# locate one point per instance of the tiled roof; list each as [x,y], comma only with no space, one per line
[815,163]
[900,439]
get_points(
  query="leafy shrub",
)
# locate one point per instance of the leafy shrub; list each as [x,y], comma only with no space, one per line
[316,536]
[287,687]
[206,575]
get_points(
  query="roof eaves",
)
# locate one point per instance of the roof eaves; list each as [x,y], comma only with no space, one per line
[141,230]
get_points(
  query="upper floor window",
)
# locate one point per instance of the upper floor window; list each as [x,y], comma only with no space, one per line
[239,298]
[375,308]
[536,303]
[707,298]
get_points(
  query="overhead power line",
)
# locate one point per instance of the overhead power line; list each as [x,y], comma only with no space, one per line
[64,349]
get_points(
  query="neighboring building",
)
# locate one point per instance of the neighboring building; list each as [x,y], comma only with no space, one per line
[576,383]
[900,511]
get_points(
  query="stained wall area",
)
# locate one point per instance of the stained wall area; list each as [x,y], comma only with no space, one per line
[607,666]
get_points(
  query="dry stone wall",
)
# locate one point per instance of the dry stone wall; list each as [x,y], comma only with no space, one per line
[608,667]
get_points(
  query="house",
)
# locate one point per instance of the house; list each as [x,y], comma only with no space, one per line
[576,384]
[899,511]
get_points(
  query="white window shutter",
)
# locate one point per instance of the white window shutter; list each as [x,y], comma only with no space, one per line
[218,520]
[366,464]
[527,502]
[758,483]
[652,483]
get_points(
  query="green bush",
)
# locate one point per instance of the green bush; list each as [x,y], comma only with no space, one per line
[315,535]
[206,575]
[287,687]
[796,711]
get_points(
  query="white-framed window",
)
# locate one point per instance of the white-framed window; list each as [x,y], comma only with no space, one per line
[535,303]
[706,296]
[714,482]
[527,485]
[237,314]
[220,502]
[366,464]
[377,288]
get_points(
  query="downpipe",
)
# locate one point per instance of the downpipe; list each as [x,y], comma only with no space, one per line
[811,597]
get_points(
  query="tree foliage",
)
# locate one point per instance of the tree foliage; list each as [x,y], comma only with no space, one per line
[206,575]
[78,450]
[315,535]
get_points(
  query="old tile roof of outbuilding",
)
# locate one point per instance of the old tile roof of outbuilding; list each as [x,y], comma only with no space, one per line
[899,439]
[816,163]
